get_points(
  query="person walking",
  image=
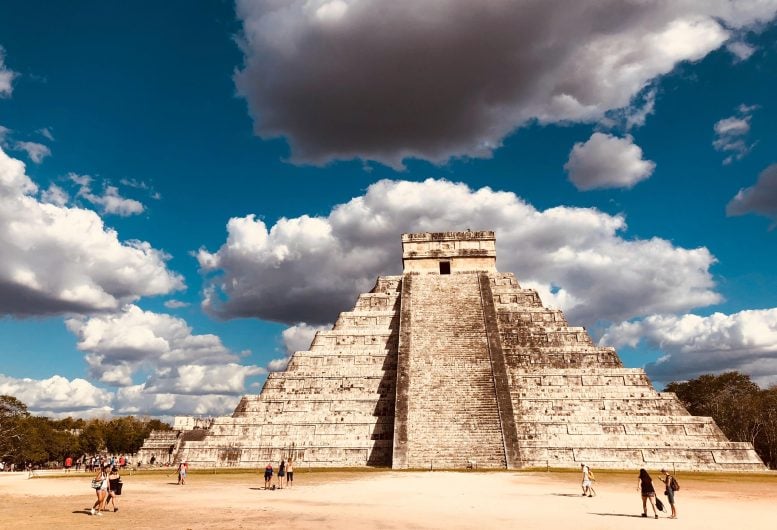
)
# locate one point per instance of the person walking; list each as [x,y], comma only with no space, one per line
[267,475]
[586,484]
[100,485]
[645,486]
[182,473]
[289,473]
[114,488]
[671,486]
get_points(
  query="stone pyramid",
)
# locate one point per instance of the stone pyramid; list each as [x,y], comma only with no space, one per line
[454,363]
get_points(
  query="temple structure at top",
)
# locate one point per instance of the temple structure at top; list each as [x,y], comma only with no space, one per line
[453,362]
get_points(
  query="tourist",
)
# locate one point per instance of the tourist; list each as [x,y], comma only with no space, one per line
[671,486]
[153,459]
[586,484]
[114,488]
[68,464]
[281,473]
[645,486]
[182,473]
[267,475]
[289,473]
[100,485]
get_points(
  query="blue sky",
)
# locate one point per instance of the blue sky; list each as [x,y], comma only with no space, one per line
[268,155]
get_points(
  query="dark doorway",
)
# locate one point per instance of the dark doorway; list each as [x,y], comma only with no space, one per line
[445,267]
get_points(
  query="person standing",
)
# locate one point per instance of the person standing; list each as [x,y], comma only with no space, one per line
[267,475]
[114,488]
[281,473]
[68,464]
[645,486]
[586,484]
[289,473]
[671,486]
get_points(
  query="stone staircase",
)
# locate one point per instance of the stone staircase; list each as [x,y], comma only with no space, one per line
[158,445]
[452,414]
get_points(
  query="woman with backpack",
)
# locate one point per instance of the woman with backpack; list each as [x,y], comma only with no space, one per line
[671,487]
[100,485]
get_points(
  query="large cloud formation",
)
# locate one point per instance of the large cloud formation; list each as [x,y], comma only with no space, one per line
[58,396]
[57,259]
[122,344]
[181,372]
[606,161]
[760,198]
[434,80]
[307,269]
[695,345]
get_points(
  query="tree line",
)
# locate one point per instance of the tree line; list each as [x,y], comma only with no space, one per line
[39,440]
[744,411]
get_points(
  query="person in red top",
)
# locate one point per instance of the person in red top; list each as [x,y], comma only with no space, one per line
[68,464]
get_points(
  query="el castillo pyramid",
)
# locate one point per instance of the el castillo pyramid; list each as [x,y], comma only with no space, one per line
[454,363]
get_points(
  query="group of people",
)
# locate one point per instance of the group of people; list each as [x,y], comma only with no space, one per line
[95,462]
[645,487]
[285,470]
[107,485]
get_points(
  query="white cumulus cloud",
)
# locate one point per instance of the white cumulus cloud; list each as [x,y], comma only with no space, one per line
[606,161]
[137,400]
[695,345]
[119,345]
[57,260]
[58,396]
[308,269]
[159,365]
[296,338]
[387,81]
[110,202]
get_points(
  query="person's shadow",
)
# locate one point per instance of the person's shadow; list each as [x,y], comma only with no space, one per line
[617,515]
[85,511]
[576,495]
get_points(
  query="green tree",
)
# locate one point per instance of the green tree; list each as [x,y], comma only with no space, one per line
[742,410]
[92,439]
[12,415]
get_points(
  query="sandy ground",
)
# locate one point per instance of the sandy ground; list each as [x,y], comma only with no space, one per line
[387,499]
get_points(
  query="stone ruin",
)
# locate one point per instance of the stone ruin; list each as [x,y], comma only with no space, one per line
[454,364]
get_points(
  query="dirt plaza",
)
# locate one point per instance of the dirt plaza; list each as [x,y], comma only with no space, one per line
[386,499]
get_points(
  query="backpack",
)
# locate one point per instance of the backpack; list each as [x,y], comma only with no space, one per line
[674,485]
[591,474]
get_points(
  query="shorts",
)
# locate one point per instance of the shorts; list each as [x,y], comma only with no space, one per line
[280,474]
[267,476]
[649,494]
[586,483]
[670,495]
[290,475]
